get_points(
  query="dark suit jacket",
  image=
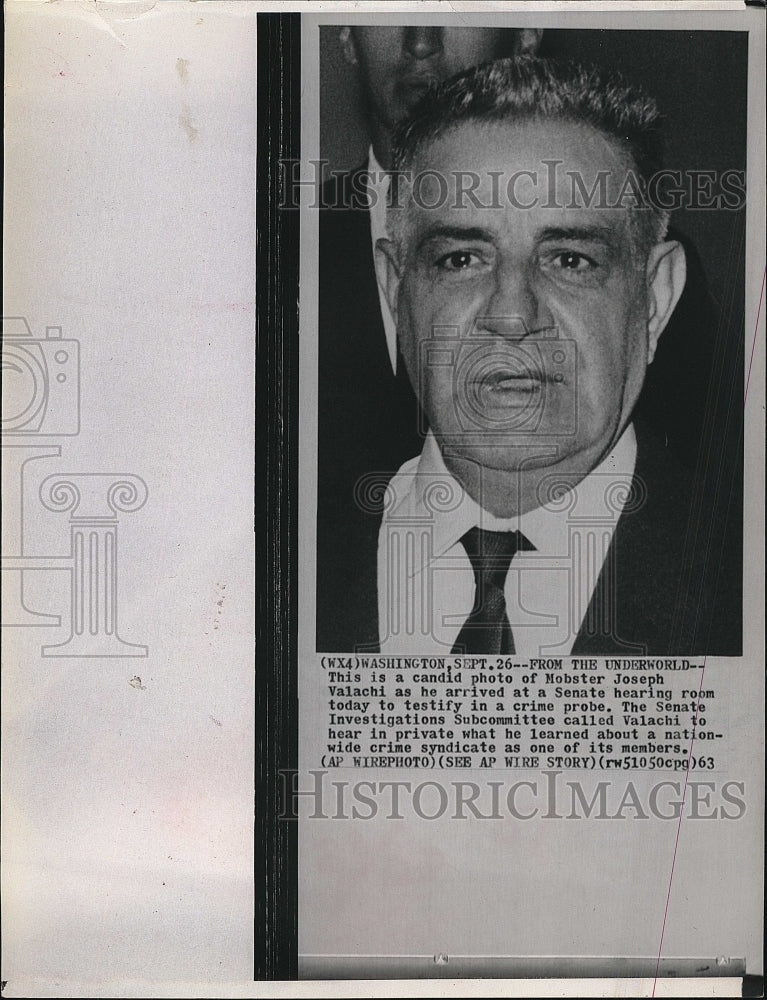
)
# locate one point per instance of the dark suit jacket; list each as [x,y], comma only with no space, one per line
[671,583]
[369,424]
[368,420]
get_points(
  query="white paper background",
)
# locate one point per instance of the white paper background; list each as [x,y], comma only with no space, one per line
[128,817]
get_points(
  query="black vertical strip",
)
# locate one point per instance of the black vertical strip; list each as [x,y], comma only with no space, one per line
[276,490]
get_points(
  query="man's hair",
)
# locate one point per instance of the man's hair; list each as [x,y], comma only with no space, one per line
[527,88]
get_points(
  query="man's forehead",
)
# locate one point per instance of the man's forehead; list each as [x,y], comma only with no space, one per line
[487,156]
[520,136]
[546,173]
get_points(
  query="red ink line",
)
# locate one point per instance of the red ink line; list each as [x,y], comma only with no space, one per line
[753,342]
[679,827]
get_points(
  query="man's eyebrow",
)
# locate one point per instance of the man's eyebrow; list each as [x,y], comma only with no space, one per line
[445,232]
[592,234]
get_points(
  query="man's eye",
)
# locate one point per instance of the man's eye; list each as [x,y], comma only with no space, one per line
[458,260]
[569,260]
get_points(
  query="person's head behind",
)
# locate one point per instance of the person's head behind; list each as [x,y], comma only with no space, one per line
[555,284]
[397,64]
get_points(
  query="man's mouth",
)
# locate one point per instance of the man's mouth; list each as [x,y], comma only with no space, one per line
[412,88]
[505,380]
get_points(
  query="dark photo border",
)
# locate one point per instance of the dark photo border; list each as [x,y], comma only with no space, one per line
[276,513]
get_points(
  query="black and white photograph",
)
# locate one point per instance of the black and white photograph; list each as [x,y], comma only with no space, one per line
[524,423]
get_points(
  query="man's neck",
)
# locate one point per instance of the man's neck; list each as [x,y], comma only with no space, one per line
[510,493]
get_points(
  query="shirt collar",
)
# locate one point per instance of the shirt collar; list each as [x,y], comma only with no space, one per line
[435,495]
[378,187]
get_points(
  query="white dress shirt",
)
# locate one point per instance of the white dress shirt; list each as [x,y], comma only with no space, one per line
[379,191]
[425,579]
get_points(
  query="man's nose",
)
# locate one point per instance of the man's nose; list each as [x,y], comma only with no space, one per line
[513,309]
[423,42]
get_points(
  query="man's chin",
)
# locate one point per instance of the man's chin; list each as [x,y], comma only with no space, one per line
[512,455]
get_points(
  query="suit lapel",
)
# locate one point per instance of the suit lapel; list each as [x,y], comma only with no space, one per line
[649,598]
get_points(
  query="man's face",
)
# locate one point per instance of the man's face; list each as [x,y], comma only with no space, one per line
[399,64]
[525,330]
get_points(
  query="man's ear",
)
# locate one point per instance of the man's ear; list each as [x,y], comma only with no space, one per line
[528,41]
[388,272]
[349,49]
[666,274]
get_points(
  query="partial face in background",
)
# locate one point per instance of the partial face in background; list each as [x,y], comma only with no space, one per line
[398,64]
[527,331]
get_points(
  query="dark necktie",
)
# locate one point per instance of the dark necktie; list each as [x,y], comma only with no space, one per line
[487,629]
